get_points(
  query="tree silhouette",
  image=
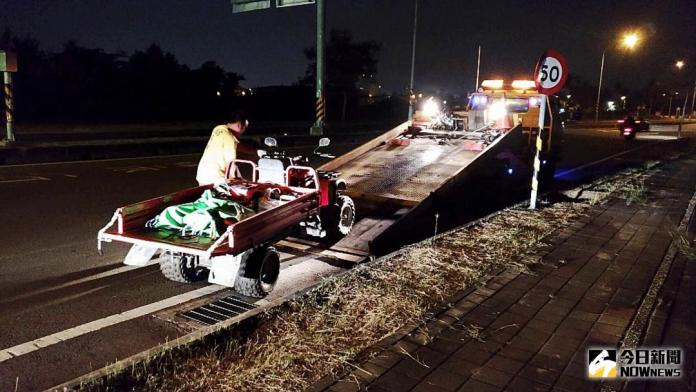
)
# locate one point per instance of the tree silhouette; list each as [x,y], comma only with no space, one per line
[347,62]
[79,83]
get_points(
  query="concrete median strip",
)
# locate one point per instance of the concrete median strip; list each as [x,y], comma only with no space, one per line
[70,333]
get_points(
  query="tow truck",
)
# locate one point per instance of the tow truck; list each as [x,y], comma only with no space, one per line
[396,189]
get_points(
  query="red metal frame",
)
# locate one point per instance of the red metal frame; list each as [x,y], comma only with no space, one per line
[241,236]
[254,169]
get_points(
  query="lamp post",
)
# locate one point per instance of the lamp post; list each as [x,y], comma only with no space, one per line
[628,41]
[599,89]
[413,62]
[669,111]
[680,64]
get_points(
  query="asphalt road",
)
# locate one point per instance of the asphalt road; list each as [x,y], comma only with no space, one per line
[51,278]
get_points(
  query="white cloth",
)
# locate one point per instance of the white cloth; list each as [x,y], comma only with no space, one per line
[219,152]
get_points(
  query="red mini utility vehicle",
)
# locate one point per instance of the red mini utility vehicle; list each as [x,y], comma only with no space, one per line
[284,196]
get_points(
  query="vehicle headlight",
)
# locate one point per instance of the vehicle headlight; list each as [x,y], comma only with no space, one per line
[430,108]
[496,111]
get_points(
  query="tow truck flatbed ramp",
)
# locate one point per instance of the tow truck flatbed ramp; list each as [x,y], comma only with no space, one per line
[394,187]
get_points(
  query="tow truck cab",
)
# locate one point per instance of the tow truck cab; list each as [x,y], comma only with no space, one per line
[504,106]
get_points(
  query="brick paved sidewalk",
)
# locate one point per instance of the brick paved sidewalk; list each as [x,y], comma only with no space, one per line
[535,327]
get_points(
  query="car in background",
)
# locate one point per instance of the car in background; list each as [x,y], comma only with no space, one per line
[637,125]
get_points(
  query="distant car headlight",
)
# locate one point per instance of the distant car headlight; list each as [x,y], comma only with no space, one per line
[430,108]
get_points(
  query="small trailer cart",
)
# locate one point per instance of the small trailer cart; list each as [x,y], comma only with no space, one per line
[243,256]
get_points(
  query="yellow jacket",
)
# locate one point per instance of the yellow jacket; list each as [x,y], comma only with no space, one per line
[219,152]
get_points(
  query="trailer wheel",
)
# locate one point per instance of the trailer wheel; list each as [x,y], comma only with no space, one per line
[181,268]
[338,219]
[259,273]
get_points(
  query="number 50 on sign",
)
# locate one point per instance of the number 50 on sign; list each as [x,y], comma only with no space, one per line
[551,72]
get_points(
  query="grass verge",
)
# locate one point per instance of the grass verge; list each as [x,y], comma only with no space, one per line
[325,331]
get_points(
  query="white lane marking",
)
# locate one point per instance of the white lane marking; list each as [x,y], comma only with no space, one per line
[564,173]
[70,175]
[136,169]
[656,137]
[186,164]
[25,179]
[100,275]
[96,325]
[98,160]
[81,294]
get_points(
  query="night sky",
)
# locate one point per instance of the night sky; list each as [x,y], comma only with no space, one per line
[266,46]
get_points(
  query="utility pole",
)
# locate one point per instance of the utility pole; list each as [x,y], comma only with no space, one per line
[413,62]
[478,69]
[681,118]
[8,65]
[318,127]
[669,111]
[693,97]
[599,89]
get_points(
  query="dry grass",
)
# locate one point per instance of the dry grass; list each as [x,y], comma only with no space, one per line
[684,245]
[324,331]
[629,186]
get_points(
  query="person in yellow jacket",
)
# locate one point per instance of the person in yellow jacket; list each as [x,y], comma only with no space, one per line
[221,149]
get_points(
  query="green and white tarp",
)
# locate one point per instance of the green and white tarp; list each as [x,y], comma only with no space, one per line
[204,217]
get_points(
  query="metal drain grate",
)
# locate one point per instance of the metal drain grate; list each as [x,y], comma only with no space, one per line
[218,311]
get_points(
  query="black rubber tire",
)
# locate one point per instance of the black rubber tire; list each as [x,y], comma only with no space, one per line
[338,219]
[179,268]
[258,274]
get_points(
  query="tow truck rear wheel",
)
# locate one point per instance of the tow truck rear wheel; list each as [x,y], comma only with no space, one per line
[338,219]
[181,268]
[258,274]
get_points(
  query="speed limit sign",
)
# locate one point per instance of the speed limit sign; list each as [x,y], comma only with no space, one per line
[551,72]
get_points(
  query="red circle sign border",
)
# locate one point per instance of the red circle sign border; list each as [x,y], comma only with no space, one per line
[564,76]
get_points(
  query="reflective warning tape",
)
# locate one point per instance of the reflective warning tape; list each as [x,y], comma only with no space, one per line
[9,107]
[537,169]
[320,108]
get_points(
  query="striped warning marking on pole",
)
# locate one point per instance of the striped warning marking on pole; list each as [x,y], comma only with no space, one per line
[535,178]
[321,110]
[537,156]
[9,106]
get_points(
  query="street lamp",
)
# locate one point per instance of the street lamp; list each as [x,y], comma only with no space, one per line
[629,41]
[680,64]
